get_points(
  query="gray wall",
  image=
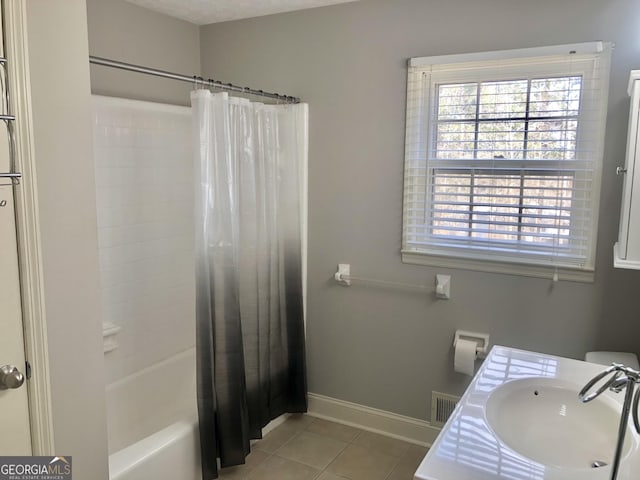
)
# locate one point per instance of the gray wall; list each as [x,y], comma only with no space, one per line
[121,31]
[62,135]
[389,348]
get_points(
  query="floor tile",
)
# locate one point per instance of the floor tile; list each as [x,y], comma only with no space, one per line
[310,449]
[303,446]
[254,459]
[382,444]
[276,438]
[278,468]
[401,473]
[359,463]
[408,463]
[340,432]
[330,476]
[299,421]
[415,453]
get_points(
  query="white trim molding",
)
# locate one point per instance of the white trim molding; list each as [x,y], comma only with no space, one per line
[390,424]
[490,265]
[434,233]
[576,48]
[30,261]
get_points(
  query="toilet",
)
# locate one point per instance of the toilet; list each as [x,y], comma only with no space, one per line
[607,358]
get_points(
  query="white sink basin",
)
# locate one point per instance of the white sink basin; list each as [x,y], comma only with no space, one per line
[521,419]
[543,419]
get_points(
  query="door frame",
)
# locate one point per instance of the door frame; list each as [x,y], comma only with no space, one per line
[28,232]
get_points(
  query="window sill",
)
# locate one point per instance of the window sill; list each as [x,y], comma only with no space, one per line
[492,266]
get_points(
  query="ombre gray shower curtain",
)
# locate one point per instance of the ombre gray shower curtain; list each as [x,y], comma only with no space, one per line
[250,164]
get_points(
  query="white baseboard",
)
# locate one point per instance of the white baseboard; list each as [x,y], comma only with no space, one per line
[276,422]
[373,420]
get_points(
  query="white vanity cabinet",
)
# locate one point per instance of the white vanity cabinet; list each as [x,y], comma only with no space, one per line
[626,251]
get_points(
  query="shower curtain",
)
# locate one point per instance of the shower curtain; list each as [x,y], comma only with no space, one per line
[250,159]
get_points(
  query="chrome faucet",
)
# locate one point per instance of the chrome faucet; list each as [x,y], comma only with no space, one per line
[621,377]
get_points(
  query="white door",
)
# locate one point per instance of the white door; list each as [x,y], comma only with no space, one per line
[15,437]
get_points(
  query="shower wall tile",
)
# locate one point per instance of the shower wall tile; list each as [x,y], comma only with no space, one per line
[144,201]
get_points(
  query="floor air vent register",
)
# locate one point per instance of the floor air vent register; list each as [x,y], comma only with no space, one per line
[442,406]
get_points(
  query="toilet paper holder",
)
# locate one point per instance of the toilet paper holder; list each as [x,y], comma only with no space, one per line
[481,339]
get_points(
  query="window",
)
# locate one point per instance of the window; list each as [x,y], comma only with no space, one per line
[503,158]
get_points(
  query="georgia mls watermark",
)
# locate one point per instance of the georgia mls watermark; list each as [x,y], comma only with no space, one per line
[35,468]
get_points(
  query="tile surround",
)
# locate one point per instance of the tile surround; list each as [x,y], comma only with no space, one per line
[308,448]
[144,204]
[144,201]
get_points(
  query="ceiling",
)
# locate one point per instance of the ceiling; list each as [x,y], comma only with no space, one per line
[203,12]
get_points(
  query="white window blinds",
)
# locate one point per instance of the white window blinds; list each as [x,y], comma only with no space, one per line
[503,155]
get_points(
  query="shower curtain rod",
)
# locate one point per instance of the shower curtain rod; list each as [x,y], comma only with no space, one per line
[196,80]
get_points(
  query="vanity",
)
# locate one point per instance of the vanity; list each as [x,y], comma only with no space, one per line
[521,419]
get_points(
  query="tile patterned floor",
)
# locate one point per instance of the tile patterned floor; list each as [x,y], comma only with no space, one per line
[307,448]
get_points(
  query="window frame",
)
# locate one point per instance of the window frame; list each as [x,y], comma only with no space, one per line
[421,129]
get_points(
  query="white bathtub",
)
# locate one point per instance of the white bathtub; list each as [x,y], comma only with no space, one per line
[152,421]
[170,454]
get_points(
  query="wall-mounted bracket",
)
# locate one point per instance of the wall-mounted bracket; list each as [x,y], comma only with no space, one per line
[443,287]
[343,273]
